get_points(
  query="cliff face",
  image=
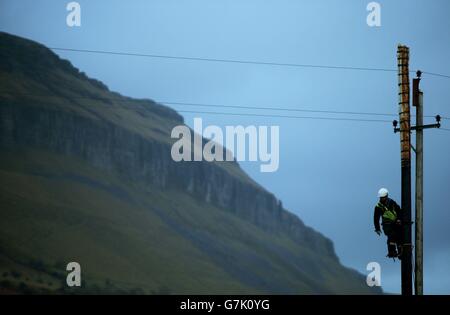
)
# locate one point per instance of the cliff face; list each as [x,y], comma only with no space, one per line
[112,148]
[48,105]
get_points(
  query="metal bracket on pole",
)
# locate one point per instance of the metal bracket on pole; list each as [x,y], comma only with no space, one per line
[437,125]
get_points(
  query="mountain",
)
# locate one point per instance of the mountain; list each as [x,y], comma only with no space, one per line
[86,176]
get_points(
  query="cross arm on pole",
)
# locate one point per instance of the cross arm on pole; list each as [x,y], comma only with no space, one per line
[428,126]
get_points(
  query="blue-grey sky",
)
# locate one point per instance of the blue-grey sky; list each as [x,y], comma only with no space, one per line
[330,171]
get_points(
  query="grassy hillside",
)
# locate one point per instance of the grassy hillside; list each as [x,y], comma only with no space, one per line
[56,209]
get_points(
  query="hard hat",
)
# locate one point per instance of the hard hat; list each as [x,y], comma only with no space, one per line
[383,192]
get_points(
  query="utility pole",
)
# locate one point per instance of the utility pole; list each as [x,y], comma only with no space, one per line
[418,103]
[405,142]
[405,153]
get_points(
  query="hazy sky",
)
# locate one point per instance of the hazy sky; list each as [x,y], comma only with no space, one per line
[330,171]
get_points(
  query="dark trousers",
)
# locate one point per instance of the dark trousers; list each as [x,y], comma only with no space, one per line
[393,232]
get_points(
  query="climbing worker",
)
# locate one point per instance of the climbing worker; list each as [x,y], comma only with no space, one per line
[390,214]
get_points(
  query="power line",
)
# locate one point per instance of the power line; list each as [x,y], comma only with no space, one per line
[277,108]
[252,62]
[250,114]
[221,60]
[287,116]
[288,109]
[437,74]
[246,114]
[220,106]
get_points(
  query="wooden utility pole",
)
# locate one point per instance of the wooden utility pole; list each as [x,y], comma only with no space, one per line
[405,147]
[418,270]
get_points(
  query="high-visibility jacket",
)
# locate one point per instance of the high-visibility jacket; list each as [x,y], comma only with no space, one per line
[388,212]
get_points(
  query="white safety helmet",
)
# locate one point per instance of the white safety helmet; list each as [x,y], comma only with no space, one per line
[383,192]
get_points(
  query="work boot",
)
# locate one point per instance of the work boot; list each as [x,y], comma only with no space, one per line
[392,251]
[392,255]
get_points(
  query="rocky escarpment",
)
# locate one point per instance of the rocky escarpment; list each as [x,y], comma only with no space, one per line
[123,135]
[110,147]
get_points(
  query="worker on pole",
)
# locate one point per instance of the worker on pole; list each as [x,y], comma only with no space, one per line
[390,213]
